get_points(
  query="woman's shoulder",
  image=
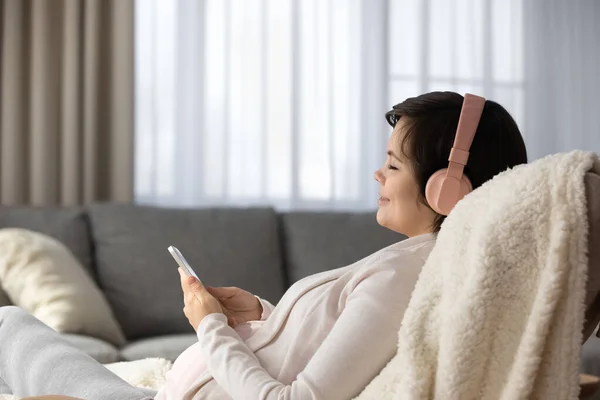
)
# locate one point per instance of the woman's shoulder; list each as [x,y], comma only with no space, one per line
[416,247]
[395,262]
[408,253]
[389,279]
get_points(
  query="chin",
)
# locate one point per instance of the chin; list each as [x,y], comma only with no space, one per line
[382,220]
[386,223]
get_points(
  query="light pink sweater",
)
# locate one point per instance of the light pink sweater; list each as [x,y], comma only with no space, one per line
[328,337]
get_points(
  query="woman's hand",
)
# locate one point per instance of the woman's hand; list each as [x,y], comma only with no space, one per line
[238,305]
[198,302]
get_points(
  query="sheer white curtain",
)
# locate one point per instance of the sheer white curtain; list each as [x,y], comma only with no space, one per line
[562,69]
[281,102]
[461,45]
[275,102]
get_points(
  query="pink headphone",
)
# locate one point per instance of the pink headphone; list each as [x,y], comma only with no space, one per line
[448,186]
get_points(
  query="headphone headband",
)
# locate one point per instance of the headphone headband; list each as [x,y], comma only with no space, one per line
[470,114]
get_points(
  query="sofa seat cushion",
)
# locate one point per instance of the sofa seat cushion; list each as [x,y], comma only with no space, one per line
[100,350]
[226,247]
[168,347]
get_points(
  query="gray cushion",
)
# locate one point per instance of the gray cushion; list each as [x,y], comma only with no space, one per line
[169,347]
[68,225]
[232,247]
[100,350]
[316,242]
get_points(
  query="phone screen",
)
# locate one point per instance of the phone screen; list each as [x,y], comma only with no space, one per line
[182,262]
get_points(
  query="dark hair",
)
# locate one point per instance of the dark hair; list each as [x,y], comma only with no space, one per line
[431,122]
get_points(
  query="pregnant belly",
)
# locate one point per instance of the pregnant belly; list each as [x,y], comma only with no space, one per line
[183,380]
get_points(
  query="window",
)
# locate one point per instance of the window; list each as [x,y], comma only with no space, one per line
[281,102]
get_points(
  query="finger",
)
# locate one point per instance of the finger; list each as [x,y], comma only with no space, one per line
[213,290]
[231,322]
[217,292]
[222,292]
[234,321]
[226,311]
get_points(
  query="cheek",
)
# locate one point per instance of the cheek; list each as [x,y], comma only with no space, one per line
[404,191]
[404,206]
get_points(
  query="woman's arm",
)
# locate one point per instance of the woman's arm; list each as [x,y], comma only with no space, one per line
[362,341]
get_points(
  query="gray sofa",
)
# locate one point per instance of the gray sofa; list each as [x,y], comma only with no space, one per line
[124,249]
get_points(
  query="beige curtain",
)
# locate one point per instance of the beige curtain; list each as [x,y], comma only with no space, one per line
[66,104]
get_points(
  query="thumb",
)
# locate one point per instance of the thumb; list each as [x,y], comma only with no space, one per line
[194,284]
[214,291]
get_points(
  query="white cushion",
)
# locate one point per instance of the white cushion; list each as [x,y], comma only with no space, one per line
[148,373]
[43,277]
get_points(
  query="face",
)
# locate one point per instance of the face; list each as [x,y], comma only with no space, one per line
[400,208]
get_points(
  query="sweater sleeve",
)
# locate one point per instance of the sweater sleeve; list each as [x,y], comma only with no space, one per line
[358,346]
[267,308]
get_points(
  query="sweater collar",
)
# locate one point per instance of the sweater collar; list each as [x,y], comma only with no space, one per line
[416,240]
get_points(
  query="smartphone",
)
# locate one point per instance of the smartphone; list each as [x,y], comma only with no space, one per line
[182,262]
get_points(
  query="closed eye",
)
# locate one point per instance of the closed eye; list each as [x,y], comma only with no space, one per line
[392,167]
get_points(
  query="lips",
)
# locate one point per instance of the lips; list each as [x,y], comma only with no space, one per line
[382,200]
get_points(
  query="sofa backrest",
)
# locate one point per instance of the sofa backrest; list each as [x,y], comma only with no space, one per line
[124,248]
[226,247]
[314,242]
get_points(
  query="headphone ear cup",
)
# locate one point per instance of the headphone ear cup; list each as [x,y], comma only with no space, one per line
[466,187]
[433,189]
[441,191]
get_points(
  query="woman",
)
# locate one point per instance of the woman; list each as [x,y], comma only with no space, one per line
[331,333]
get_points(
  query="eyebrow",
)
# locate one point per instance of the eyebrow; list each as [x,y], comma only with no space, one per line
[389,153]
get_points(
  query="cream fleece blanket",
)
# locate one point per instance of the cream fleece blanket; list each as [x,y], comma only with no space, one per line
[498,308]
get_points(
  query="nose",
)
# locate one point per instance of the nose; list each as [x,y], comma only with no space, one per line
[378,175]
